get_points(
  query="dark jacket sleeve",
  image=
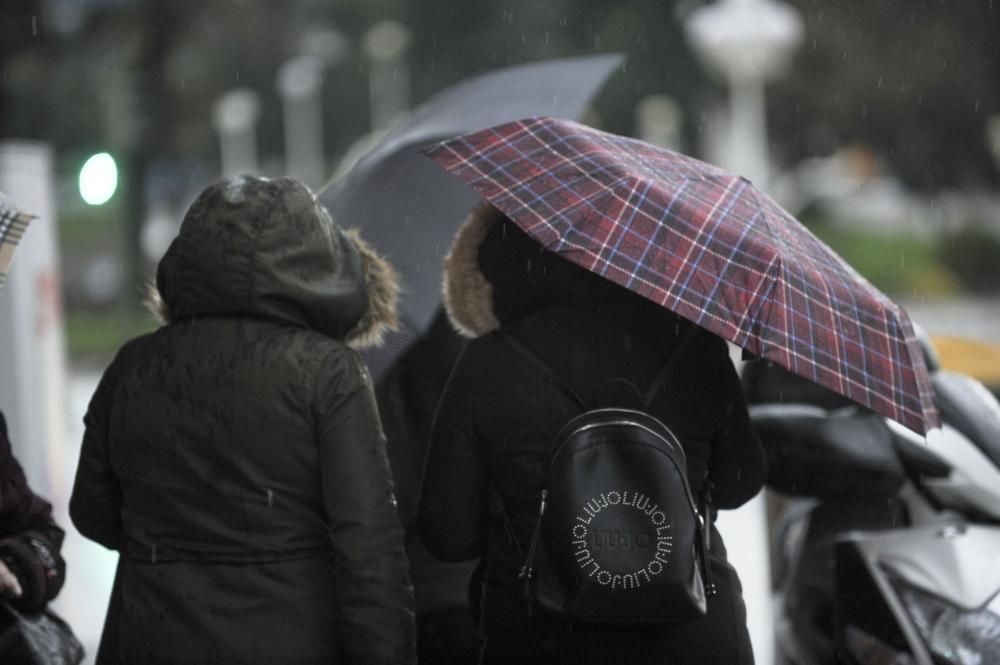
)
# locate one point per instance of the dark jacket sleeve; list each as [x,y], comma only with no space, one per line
[29,537]
[453,507]
[737,466]
[374,595]
[95,504]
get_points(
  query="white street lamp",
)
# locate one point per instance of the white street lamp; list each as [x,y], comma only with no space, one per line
[325,42]
[386,44]
[746,43]
[299,82]
[235,120]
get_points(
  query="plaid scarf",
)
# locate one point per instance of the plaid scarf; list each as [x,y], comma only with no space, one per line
[13,222]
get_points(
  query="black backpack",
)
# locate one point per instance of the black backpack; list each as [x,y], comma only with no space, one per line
[619,539]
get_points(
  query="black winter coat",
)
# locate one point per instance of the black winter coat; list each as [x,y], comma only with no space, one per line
[407,394]
[234,457]
[498,416]
[29,537]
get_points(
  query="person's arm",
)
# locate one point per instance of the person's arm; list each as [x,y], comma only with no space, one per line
[373,591]
[95,504]
[737,466]
[453,507]
[32,569]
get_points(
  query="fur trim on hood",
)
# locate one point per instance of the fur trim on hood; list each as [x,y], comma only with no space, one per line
[496,274]
[382,287]
[468,296]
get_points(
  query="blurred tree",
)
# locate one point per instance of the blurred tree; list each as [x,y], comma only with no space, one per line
[473,36]
[22,83]
[917,81]
[972,255]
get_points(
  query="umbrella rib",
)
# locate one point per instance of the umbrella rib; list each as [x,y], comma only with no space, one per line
[728,261]
[891,384]
[766,300]
[838,358]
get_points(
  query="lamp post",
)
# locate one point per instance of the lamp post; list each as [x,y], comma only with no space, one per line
[747,43]
[299,82]
[659,120]
[235,119]
[386,44]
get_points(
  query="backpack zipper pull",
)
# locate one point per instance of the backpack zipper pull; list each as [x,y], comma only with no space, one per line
[527,570]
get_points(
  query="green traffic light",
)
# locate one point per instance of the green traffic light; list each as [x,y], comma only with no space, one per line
[98,179]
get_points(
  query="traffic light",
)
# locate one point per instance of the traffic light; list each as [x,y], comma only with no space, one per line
[98,179]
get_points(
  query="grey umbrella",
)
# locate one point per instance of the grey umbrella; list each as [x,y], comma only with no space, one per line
[409,211]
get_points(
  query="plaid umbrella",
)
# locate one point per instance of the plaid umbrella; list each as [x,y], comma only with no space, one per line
[705,244]
[13,222]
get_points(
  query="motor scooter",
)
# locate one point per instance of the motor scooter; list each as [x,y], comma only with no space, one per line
[888,548]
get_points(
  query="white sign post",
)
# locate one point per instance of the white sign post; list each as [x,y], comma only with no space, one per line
[32,342]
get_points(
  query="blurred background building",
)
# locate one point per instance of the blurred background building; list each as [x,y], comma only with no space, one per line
[878,124]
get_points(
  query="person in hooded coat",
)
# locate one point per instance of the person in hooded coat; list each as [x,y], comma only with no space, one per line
[234,457]
[489,446]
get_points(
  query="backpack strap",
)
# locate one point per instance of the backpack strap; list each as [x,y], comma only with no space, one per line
[546,372]
[657,385]
[540,367]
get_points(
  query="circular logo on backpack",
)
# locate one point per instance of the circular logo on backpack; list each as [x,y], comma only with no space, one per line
[604,535]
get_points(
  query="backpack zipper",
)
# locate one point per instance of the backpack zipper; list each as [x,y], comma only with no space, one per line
[622,421]
[527,570]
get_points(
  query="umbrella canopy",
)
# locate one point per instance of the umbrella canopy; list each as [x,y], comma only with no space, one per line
[410,212]
[705,244]
[13,222]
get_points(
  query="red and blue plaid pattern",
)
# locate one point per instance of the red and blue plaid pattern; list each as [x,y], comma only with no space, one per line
[13,222]
[705,244]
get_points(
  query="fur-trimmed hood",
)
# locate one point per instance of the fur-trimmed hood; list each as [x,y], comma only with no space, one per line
[266,247]
[468,295]
[496,273]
